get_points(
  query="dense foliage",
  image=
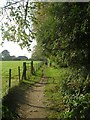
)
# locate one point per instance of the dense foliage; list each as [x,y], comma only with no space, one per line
[63,32]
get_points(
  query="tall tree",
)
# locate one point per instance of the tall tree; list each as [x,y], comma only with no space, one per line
[63,31]
[17,25]
[5,53]
[38,52]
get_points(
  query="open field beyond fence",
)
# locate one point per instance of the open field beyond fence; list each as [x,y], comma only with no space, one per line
[13,70]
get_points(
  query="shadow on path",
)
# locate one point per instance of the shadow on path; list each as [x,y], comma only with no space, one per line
[26,101]
[15,96]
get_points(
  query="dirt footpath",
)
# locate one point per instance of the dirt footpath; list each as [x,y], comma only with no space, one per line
[34,106]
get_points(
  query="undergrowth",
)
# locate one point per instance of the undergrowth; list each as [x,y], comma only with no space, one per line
[68,93]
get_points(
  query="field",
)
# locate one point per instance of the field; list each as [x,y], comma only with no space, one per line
[13,65]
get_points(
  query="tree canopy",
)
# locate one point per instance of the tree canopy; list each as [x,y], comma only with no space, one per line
[5,53]
[62,31]
[16,22]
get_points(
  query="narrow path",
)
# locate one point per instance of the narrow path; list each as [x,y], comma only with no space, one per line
[34,107]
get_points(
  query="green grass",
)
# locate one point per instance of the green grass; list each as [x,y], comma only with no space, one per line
[33,78]
[53,90]
[13,65]
[21,88]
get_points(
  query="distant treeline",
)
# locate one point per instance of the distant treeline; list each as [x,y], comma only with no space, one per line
[13,58]
[5,56]
[21,58]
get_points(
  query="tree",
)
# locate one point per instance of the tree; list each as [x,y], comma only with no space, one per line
[63,31]
[5,55]
[64,34]
[17,26]
[38,52]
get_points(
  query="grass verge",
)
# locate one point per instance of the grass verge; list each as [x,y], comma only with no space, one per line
[53,90]
[16,95]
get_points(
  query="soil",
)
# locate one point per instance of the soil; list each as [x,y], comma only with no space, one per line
[34,107]
[27,101]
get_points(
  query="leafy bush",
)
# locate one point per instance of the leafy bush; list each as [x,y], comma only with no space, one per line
[76,96]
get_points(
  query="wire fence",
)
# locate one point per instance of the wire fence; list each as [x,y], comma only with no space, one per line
[13,76]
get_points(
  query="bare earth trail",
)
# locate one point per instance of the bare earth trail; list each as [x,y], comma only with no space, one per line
[34,107]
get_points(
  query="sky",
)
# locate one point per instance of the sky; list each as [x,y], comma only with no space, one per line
[12,47]
[15,49]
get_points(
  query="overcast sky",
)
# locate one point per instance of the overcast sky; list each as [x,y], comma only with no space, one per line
[12,47]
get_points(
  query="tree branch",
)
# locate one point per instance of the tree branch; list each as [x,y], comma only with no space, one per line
[10,3]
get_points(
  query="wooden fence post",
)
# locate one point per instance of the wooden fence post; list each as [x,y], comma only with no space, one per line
[9,78]
[19,73]
[32,67]
[24,71]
